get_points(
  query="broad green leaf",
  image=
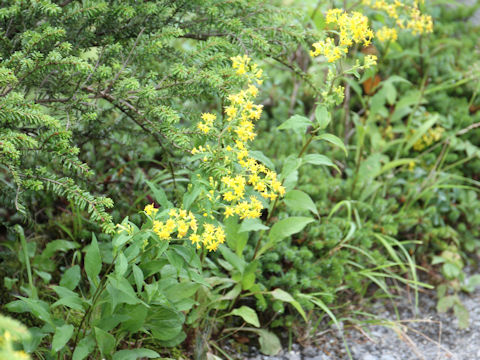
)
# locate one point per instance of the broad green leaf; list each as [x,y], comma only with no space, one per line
[134,354]
[290,165]
[247,314]
[296,122]
[300,201]
[248,278]
[235,240]
[93,260]
[159,195]
[462,315]
[105,341]
[289,226]
[58,245]
[232,258]
[73,302]
[260,156]
[334,140]
[84,348]
[62,335]
[138,276]
[317,159]
[252,225]
[165,324]
[445,303]
[282,295]
[269,343]
[390,92]
[322,117]
[71,278]
[38,308]
[192,195]
[121,264]
[180,291]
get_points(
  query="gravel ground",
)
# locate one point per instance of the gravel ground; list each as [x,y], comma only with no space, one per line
[475,19]
[426,335]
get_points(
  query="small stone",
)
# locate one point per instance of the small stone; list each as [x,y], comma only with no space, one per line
[369,357]
[292,355]
[318,357]
[310,351]
[388,357]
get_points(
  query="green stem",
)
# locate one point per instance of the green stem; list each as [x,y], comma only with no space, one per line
[23,241]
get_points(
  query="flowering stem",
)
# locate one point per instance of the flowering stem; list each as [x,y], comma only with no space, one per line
[275,203]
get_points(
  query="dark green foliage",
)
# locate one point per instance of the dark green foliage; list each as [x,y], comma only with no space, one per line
[102,83]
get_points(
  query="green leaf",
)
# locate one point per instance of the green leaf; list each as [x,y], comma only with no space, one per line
[62,335]
[296,122]
[235,240]
[165,323]
[248,278]
[38,308]
[121,264]
[105,341]
[462,315]
[159,196]
[322,116]
[232,258]
[71,278]
[84,348]
[260,156]
[247,314]
[138,276]
[73,302]
[93,261]
[180,291]
[390,92]
[300,201]
[252,225]
[445,303]
[334,140]
[284,296]
[134,354]
[192,195]
[451,271]
[289,226]
[317,159]
[290,165]
[269,343]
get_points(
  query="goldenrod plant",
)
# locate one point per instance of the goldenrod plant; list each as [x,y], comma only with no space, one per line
[191,179]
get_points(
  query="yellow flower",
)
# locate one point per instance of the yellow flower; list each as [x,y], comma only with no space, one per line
[150,209]
[387,34]
[160,229]
[353,28]
[229,211]
[195,239]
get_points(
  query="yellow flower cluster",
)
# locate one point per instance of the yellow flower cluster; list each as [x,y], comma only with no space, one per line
[418,22]
[387,34]
[180,222]
[353,29]
[431,136]
[406,15]
[207,123]
[243,67]
[239,129]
